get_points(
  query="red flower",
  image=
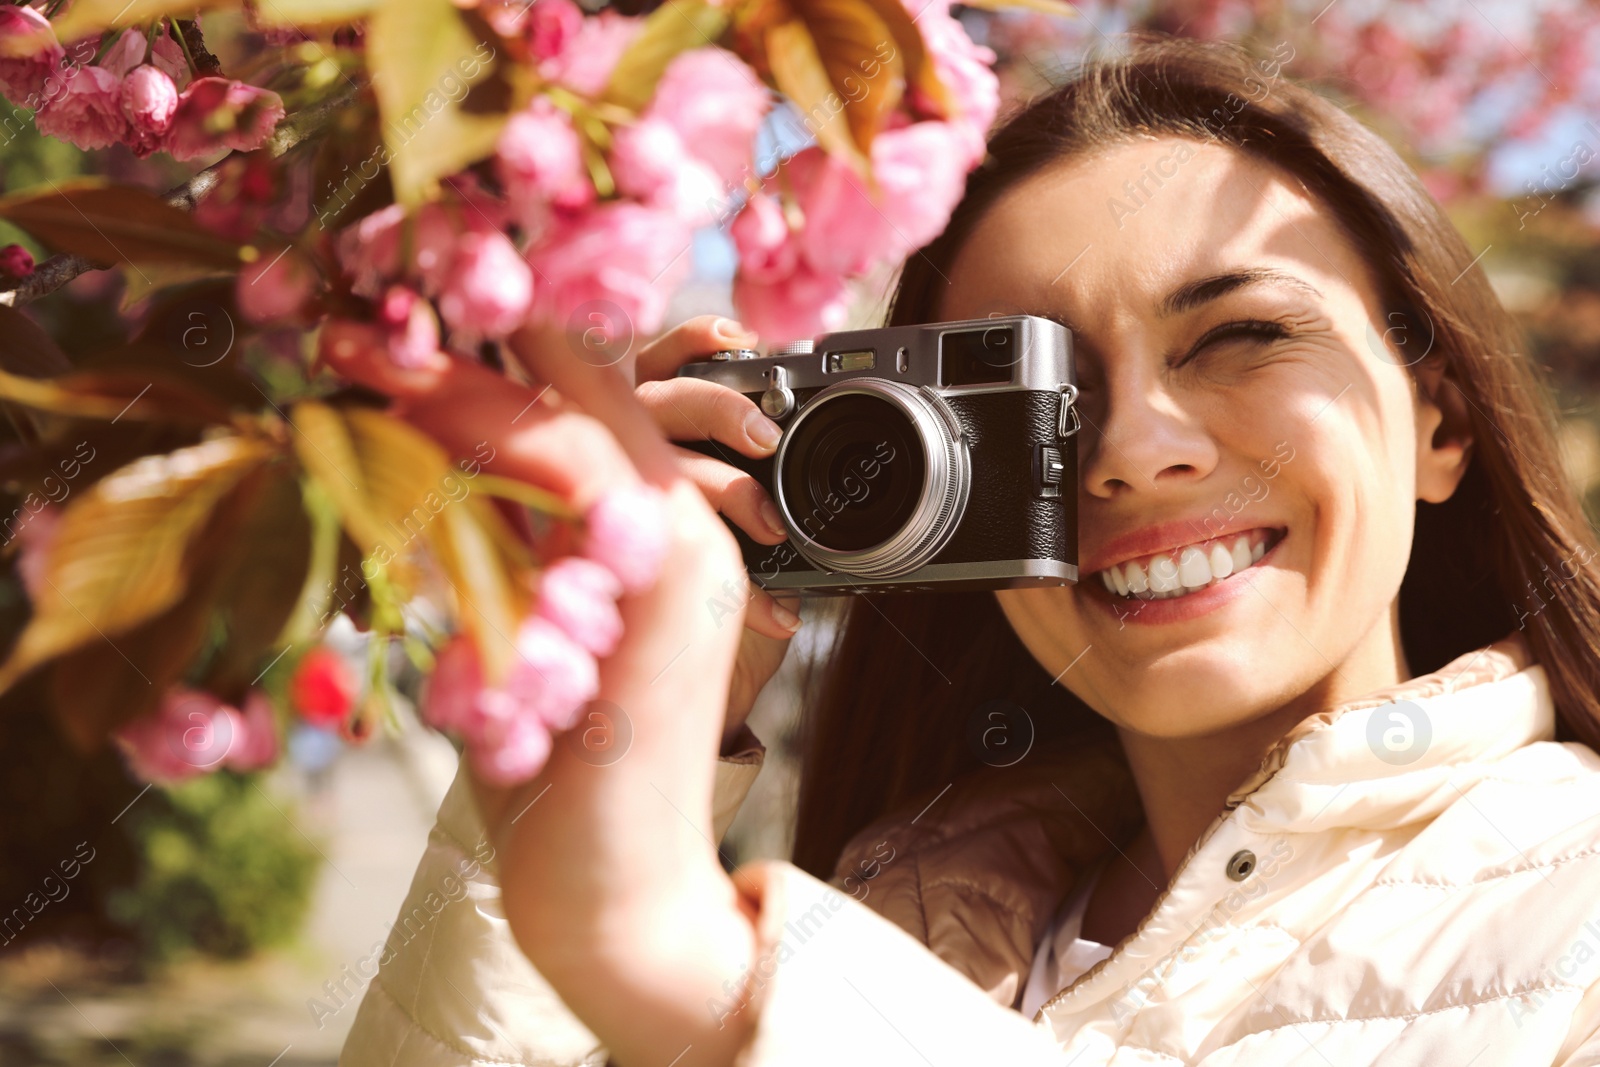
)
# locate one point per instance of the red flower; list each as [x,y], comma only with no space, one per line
[322,689]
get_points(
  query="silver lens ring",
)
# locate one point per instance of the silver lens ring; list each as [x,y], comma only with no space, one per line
[946,483]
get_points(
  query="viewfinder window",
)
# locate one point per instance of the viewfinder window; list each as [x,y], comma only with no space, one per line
[978,357]
[865,359]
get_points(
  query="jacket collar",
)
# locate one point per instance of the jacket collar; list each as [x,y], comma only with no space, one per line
[976,869]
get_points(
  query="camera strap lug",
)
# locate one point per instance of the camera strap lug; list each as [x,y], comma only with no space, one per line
[1069,395]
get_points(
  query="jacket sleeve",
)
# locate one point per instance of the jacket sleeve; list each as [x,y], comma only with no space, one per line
[885,998]
[452,986]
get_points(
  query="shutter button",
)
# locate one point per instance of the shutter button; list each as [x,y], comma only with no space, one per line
[1242,863]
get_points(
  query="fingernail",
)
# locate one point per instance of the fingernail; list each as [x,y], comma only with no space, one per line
[731,330]
[762,430]
[784,617]
[770,516]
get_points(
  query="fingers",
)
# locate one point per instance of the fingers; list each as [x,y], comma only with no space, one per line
[772,616]
[693,409]
[693,339]
[735,494]
[603,393]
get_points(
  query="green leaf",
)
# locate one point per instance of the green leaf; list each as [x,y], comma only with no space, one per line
[85,17]
[110,224]
[313,12]
[417,51]
[674,27]
[119,555]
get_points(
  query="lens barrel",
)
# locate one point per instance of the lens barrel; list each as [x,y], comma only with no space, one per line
[872,477]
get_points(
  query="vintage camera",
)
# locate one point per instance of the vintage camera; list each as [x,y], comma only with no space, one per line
[936,456]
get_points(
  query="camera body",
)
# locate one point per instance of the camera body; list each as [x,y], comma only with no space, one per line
[926,457]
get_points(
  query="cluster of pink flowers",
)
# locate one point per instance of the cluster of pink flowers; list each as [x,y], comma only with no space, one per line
[139,93]
[507,728]
[794,261]
[193,732]
[674,168]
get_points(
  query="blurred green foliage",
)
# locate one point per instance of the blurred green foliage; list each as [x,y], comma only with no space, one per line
[224,872]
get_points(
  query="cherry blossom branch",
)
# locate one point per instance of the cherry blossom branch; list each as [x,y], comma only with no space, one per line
[206,65]
[296,129]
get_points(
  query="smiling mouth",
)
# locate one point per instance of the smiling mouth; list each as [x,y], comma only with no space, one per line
[1181,571]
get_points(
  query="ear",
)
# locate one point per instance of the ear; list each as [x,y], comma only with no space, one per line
[1444,430]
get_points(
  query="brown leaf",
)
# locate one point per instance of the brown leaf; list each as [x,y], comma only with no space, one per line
[110,224]
[120,555]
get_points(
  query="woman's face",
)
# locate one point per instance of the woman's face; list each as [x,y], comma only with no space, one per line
[1251,446]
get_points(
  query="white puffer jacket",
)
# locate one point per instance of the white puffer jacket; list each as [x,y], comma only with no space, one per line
[1410,878]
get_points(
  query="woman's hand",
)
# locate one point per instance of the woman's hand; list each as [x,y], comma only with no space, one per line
[610,878]
[692,409]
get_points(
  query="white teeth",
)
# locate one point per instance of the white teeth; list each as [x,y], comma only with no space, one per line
[1193,570]
[1163,578]
[1163,575]
[1241,554]
[1121,585]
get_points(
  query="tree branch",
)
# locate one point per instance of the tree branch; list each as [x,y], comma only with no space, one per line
[295,129]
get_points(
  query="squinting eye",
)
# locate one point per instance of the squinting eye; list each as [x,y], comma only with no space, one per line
[1247,329]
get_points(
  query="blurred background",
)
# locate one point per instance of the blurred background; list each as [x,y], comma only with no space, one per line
[233,920]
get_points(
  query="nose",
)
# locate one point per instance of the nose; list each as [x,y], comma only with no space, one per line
[1149,437]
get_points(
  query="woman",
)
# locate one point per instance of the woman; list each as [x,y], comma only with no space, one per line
[1309,782]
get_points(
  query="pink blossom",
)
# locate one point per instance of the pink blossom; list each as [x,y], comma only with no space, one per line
[551,26]
[489,291]
[580,596]
[618,251]
[541,164]
[189,734]
[168,57]
[149,100]
[652,163]
[515,756]
[15,262]
[274,288]
[626,530]
[218,113]
[805,303]
[454,686]
[370,249]
[87,112]
[921,174]
[768,250]
[29,54]
[586,58]
[716,104]
[127,52]
[553,676]
[412,333]
[966,71]
[506,729]
[256,745]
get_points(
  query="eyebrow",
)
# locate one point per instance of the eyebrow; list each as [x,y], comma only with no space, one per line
[1191,295]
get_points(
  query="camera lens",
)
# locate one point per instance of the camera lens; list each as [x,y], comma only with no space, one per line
[872,477]
[853,473]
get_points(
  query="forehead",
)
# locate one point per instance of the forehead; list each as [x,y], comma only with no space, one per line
[1124,226]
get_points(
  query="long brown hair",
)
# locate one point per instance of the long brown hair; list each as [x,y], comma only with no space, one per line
[890,710]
